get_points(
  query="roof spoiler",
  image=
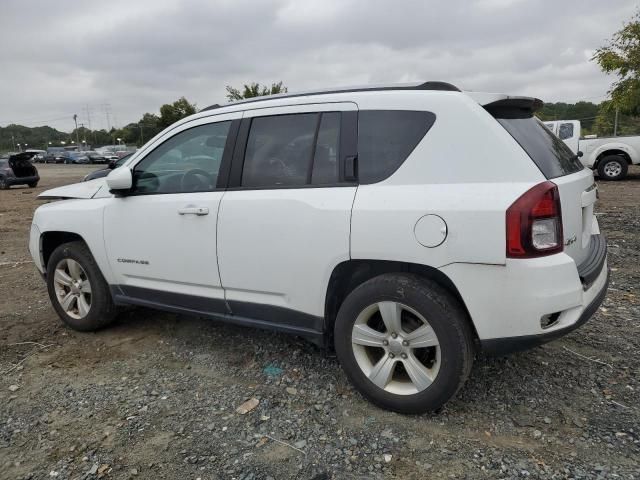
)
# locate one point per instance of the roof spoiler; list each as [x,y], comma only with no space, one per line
[514,107]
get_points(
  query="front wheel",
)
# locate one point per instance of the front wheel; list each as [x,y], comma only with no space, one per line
[404,343]
[78,291]
[613,167]
[4,185]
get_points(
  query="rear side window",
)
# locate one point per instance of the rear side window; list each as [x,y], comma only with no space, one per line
[548,152]
[566,131]
[292,150]
[386,138]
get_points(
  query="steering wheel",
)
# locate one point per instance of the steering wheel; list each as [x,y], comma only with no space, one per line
[195,180]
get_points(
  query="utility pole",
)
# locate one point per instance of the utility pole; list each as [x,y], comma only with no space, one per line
[615,124]
[75,119]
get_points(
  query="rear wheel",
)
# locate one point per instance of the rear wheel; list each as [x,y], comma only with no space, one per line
[613,167]
[404,343]
[33,184]
[78,291]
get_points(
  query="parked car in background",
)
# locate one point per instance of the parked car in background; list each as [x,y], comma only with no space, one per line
[95,157]
[610,156]
[331,215]
[38,155]
[54,155]
[17,169]
[75,157]
[103,172]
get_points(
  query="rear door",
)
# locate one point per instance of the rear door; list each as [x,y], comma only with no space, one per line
[284,221]
[575,183]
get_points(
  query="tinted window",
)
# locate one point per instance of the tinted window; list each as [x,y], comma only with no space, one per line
[290,150]
[326,156]
[566,131]
[187,162]
[386,138]
[549,153]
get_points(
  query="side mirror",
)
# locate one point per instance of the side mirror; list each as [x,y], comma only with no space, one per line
[120,180]
[579,153]
[112,164]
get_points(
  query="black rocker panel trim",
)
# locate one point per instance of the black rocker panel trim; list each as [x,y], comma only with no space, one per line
[255,315]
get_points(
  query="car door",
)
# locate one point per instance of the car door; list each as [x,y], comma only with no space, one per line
[284,221]
[161,238]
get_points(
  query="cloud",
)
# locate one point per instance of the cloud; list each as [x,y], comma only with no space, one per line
[135,56]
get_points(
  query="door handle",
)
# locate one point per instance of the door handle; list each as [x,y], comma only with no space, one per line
[191,210]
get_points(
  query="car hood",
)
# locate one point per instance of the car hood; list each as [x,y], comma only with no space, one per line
[87,189]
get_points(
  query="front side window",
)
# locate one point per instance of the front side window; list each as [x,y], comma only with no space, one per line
[187,162]
[386,138]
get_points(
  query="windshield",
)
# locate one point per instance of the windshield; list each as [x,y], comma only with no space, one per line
[549,153]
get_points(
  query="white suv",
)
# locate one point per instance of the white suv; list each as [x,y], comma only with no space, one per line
[408,227]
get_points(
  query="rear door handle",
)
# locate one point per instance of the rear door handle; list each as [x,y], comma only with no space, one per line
[191,210]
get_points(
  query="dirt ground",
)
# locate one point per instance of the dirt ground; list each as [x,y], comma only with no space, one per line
[155,395]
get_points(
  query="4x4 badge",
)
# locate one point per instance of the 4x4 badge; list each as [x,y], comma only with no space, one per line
[570,241]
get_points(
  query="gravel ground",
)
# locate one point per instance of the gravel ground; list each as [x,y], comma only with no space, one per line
[156,395]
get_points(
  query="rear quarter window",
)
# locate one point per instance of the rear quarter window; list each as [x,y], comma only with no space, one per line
[386,138]
[548,152]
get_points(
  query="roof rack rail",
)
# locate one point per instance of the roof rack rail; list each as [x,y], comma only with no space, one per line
[433,85]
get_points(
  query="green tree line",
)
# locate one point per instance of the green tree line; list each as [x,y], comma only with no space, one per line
[135,133]
[596,119]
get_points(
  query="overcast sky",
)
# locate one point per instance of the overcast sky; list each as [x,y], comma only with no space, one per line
[60,57]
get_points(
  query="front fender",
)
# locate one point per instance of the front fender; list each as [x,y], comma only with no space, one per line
[80,217]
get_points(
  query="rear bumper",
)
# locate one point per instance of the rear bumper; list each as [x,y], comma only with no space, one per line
[22,180]
[527,302]
[504,346]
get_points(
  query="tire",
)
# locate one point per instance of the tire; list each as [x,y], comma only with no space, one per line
[612,167]
[3,184]
[33,184]
[451,360]
[101,309]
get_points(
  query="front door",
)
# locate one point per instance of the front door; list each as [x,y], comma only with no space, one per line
[161,238]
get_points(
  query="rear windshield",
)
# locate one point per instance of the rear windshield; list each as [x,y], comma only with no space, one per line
[549,153]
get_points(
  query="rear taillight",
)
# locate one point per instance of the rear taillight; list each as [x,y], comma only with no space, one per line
[534,223]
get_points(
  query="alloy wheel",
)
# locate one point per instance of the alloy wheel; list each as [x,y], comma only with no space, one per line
[396,348]
[72,287]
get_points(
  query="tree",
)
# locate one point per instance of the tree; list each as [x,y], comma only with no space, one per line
[621,56]
[586,112]
[254,90]
[172,112]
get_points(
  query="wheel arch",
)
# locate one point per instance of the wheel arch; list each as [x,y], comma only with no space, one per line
[51,240]
[349,274]
[614,151]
